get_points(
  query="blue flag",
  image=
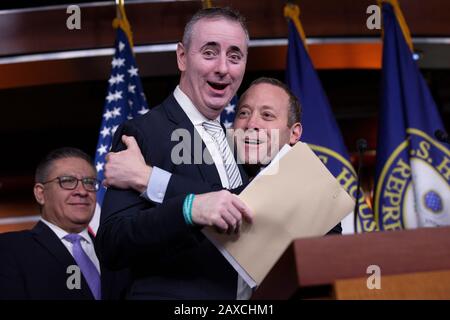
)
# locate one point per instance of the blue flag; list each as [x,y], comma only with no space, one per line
[413,169]
[228,114]
[320,129]
[125,100]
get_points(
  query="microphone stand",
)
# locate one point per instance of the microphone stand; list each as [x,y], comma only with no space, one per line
[361,146]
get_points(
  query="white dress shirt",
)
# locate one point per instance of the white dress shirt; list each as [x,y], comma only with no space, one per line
[197,120]
[86,242]
[159,179]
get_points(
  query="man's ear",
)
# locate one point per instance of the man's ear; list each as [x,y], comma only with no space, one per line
[181,57]
[39,193]
[296,133]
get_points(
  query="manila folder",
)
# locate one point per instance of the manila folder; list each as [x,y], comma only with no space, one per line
[296,198]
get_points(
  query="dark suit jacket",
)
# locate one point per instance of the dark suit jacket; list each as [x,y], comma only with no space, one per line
[33,265]
[168,259]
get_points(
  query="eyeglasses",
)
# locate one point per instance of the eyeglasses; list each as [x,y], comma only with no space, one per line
[70,183]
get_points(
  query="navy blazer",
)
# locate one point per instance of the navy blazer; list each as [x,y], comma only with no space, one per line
[168,259]
[33,265]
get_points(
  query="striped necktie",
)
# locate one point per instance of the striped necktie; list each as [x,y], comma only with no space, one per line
[231,168]
[234,180]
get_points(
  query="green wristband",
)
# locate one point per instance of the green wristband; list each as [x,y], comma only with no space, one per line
[187,209]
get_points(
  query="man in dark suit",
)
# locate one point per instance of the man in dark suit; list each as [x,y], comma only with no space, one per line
[267,118]
[267,104]
[56,259]
[168,255]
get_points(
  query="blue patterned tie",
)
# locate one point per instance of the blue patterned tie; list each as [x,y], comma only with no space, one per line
[86,265]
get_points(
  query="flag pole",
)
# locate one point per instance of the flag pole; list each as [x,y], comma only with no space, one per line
[292,11]
[122,21]
[401,21]
[207,4]
[117,9]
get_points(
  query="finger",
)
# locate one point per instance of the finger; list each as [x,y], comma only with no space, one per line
[238,227]
[219,230]
[124,139]
[235,213]
[230,220]
[130,142]
[108,155]
[230,230]
[246,212]
[221,226]
[105,183]
[106,171]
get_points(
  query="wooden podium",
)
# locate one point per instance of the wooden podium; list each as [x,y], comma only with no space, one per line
[414,264]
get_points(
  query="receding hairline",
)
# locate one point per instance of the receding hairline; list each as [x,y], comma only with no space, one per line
[266,106]
[293,106]
[188,31]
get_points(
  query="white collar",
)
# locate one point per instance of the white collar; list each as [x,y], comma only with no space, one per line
[60,233]
[189,108]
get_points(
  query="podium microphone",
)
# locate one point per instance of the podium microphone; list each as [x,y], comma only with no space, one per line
[442,136]
[361,146]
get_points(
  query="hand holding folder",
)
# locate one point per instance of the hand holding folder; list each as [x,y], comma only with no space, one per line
[295,198]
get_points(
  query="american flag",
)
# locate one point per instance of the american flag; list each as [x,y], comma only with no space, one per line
[228,114]
[125,100]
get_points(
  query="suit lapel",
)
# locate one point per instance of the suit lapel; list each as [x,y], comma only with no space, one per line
[198,156]
[48,239]
[208,171]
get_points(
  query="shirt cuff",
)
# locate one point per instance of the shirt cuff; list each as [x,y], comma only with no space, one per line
[157,185]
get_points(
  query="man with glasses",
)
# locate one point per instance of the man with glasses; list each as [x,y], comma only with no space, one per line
[56,259]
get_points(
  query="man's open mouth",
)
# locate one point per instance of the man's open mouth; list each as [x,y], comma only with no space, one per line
[217,86]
